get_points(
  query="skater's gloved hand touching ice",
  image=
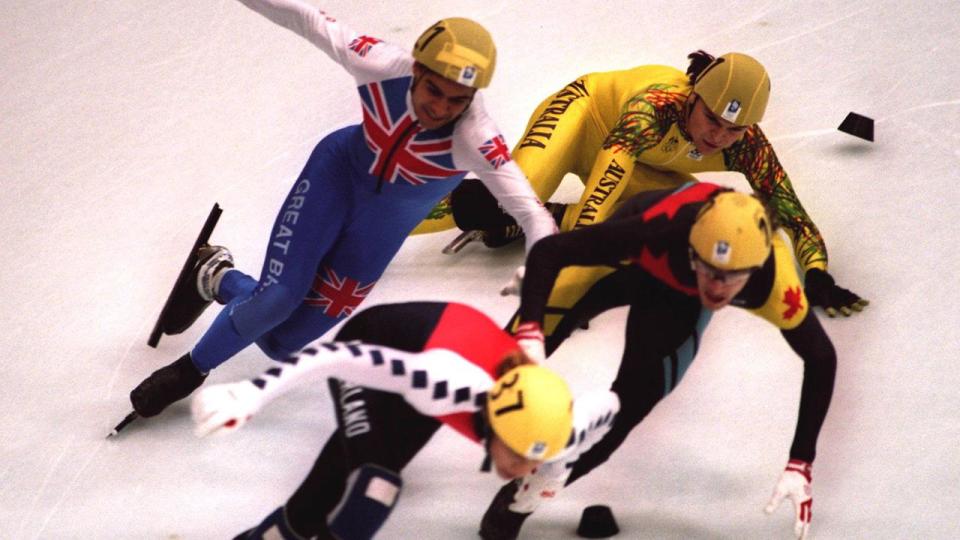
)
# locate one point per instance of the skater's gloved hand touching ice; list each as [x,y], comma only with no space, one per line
[823,291]
[224,408]
[512,287]
[795,484]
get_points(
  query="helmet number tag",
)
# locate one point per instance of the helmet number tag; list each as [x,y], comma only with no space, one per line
[509,408]
[437,30]
[504,386]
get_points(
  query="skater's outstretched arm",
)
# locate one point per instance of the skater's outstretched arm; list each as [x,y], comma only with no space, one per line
[512,190]
[606,243]
[363,56]
[435,382]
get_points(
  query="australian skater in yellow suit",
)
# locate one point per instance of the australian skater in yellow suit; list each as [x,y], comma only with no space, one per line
[646,128]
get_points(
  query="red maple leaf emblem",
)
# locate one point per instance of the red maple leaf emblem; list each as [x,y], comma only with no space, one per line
[793,298]
[659,267]
[698,192]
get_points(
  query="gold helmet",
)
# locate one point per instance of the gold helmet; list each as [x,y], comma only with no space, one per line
[735,87]
[459,50]
[531,410]
[732,232]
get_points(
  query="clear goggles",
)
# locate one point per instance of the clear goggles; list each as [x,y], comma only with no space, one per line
[716,274]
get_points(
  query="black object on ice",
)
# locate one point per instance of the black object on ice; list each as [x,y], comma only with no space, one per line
[858,126]
[597,522]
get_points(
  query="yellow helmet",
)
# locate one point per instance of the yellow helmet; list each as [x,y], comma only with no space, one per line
[531,409]
[732,232]
[735,87]
[459,50]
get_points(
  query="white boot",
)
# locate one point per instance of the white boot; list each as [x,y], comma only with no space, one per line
[212,264]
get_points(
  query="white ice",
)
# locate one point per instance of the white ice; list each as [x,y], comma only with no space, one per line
[122,122]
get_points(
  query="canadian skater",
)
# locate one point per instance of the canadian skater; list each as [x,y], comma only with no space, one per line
[674,257]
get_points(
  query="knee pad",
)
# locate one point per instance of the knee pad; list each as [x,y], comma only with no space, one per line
[369,497]
[274,527]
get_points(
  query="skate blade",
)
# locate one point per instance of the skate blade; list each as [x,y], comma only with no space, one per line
[462,240]
[204,236]
[123,423]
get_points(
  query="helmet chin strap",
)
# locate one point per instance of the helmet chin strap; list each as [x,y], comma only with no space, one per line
[482,426]
[417,75]
[487,464]
[684,123]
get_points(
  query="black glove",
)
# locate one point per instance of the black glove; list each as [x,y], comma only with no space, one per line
[824,292]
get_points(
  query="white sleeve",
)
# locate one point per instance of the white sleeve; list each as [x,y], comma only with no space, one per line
[366,58]
[593,415]
[435,382]
[512,190]
[480,147]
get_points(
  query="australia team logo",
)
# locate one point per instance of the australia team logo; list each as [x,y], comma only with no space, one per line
[671,144]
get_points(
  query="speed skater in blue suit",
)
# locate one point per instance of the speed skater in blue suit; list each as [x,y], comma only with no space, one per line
[362,191]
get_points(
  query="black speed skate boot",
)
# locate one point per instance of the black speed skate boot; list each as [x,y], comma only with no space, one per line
[499,522]
[191,296]
[186,302]
[501,236]
[492,238]
[166,385]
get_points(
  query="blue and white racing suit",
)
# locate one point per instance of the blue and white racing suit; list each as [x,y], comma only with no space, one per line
[364,188]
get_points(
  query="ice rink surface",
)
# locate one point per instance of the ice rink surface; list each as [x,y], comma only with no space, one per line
[123,122]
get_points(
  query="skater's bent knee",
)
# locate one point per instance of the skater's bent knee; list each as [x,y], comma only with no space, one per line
[369,497]
[273,349]
[264,311]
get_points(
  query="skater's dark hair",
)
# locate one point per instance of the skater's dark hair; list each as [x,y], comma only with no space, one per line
[511,360]
[699,60]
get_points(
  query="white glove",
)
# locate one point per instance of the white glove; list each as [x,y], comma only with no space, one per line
[225,408]
[512,287]
[530,338]
[795,484]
